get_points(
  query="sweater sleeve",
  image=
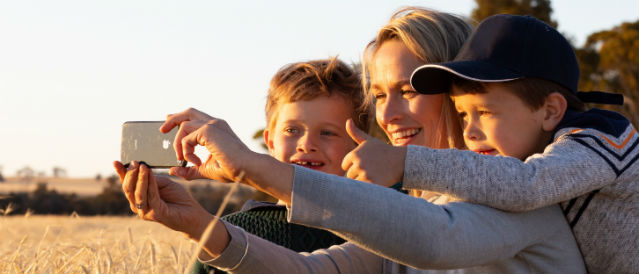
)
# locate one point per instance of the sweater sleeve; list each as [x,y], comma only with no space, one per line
[247,253]
[573,165]
[420,234]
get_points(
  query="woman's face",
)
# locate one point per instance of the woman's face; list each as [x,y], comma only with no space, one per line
[407,117]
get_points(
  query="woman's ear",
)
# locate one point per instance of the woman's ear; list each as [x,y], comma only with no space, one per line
[555,107]
[269,143]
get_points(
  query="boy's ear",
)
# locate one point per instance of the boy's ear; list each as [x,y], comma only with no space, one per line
[555,107]
[267,141]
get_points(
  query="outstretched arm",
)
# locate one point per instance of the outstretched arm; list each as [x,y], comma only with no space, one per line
[573,165]
[161,200]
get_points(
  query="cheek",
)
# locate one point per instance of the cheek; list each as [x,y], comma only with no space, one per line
[337,149]
[426,110]
[283,148]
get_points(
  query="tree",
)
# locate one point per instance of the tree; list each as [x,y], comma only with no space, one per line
[609,61]
[59,172]
[25,174]
[539,9]
[259,136]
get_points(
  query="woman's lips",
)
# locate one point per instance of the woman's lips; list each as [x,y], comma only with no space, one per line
[403,137]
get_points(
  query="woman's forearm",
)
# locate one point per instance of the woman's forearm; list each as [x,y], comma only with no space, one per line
[270,176]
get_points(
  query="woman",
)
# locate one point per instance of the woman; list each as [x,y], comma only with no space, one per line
[408,231]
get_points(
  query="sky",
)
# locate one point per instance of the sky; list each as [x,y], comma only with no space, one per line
[72,72]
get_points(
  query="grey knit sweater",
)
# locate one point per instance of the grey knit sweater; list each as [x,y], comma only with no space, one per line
[406,234]
[591,167]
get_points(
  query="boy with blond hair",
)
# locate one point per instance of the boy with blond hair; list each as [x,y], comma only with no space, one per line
[307,106]
[514,84]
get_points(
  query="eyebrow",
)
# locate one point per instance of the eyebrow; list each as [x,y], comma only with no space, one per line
[394,84]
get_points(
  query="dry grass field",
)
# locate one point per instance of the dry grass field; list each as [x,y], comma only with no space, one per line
[79,186]
[77,244]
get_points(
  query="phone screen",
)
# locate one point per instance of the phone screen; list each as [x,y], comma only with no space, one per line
[142,141]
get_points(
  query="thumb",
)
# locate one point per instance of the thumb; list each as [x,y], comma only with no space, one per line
[356,134]
[188,173]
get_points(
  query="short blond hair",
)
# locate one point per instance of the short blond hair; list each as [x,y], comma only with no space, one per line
[305,81]
[433,37]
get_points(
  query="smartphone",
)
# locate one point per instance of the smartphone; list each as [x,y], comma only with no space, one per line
[142,141]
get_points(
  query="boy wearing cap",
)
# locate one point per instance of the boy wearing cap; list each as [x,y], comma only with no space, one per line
[514,84]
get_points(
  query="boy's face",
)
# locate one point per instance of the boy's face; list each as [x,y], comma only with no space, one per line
[499,123]
[312,134]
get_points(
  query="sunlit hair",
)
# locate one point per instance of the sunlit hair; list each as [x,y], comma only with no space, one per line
[305,81]
[532,91]
[433,37]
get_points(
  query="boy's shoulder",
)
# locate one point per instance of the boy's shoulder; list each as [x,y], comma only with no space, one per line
[594,120]
[607,134]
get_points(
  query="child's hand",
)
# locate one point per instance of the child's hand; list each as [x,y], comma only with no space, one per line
[372,160]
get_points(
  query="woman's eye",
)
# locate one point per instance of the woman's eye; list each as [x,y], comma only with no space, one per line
[462,115]
[379,96]
[409,93]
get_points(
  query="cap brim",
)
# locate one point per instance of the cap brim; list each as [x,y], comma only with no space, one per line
[436,78]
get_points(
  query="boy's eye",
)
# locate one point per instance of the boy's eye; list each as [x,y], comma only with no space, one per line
[291,130]
[484,113]
[327,133]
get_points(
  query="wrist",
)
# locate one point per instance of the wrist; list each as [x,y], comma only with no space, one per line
[195,228]
[270,176]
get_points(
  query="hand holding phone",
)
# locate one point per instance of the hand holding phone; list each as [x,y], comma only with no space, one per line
[142,141]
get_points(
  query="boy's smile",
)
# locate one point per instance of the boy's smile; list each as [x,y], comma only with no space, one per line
[312,133]
[500,123]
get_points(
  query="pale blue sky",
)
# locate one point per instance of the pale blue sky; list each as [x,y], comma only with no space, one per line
[71,72]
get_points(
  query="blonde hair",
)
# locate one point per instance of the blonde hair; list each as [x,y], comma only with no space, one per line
[305,81]
[433,37]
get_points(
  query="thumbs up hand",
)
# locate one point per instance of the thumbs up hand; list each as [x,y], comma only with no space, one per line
[372,160]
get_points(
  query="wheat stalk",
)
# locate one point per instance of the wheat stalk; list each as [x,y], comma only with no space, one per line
[153,261]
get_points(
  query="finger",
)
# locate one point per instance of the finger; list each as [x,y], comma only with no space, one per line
[189,143]
[362,178]
[120,170]
[141,190]
[185,129]
[177,143]
[188,173]
[352,173]
[128,186]
[154,201]
[347,162]
[173,120]
[356,134]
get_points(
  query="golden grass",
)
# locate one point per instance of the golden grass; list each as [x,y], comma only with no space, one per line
[76,244]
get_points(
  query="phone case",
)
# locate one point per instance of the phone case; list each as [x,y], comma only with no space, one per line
[142,141]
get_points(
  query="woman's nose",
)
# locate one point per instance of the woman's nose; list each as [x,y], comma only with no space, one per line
[389,111]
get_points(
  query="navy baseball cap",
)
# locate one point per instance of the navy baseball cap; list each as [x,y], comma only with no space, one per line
[507,47]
